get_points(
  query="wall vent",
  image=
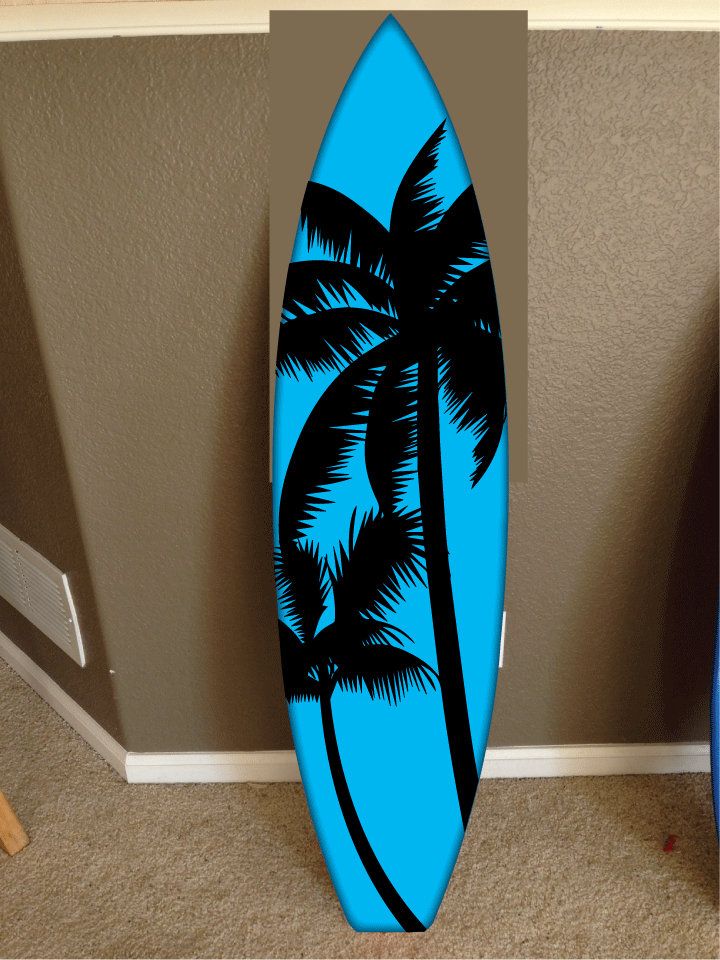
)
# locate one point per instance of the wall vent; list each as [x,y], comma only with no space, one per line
[41,592]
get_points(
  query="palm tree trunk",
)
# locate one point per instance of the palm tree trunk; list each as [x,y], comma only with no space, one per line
[392,899]
[432,509]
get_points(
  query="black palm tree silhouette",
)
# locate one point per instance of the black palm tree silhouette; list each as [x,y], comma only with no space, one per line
[402,314]
[359,650]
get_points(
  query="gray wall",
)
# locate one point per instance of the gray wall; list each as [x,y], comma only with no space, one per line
[136,173]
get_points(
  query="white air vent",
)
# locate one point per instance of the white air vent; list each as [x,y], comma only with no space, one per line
[41,592]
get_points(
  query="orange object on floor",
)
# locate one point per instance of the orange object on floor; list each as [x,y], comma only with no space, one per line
[13,838]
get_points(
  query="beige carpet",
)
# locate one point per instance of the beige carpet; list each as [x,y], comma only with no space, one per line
[550,868]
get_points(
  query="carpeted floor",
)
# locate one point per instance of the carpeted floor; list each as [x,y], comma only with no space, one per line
[550,868]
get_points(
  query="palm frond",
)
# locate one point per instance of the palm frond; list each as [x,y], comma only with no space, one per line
[381,559]
[351,632]
[298,683]
[470,301]
[318,342]
[458,239]
[357,630]
[473,377]
[391,440]
[417,204]
[335,427]
[462,223]
[343,229]
[302,585]
[386,672]
[460,230]
[369,631]
[316,285]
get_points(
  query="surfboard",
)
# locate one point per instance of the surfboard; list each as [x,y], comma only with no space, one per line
[390,487]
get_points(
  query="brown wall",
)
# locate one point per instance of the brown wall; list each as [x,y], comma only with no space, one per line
[36,500]
[136,172]
[137,177]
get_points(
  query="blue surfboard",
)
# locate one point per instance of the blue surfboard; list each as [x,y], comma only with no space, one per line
[390,491]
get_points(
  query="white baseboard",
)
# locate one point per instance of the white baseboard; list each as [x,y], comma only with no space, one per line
[257,766]
[71,712]
[280,766]
[596,759]
[575,760]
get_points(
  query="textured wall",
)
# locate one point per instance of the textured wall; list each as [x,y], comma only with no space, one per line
[613,555]
[36,499]
[136,172]
[137,177]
